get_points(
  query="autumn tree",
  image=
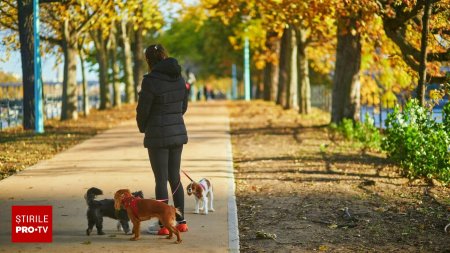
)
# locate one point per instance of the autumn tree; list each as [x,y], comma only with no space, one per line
[18,17]
[411,25]
[303,24]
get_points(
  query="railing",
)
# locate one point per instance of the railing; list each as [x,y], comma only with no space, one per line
[371,105]
[378,109]
[10,113]
[321,97]
[11,103]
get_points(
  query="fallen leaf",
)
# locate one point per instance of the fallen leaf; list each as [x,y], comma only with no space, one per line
[264,235]
[323,247]
[333,226]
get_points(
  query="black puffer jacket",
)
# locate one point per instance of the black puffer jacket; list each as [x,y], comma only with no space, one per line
[162,103]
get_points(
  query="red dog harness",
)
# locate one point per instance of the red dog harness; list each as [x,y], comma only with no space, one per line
[132,203]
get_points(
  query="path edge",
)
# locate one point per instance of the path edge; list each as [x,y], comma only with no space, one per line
[233,227]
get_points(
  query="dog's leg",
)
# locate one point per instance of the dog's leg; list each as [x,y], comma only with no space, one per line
[170,228]
[136,230]
[167,222]
[200,204]
[99,222]
[211,200]
[174,230]
[91,221]
[125,226]
[197,204]
[205,205]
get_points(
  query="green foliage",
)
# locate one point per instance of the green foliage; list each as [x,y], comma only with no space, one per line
[446,121]
[203,48]
[417,143]
[364,133]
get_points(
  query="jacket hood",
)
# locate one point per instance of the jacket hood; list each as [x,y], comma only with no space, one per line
[167,69]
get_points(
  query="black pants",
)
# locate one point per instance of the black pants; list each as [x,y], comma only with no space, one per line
[166,167]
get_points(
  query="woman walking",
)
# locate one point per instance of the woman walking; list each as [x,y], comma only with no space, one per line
[162,103]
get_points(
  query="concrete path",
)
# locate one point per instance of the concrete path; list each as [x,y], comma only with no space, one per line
[117,159]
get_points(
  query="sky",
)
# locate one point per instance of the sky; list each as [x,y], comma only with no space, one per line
[50,72]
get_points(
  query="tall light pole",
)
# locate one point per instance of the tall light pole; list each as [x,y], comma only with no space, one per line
[246,67]
[246,19]
[38,110]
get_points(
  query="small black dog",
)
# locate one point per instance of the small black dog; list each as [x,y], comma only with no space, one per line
[97,209]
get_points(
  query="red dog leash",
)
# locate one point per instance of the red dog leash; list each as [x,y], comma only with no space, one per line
[187,176]
[178,186]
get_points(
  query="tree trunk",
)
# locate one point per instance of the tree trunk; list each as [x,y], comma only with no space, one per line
[139,61]
[100,46]
[421,87]
[291,93]
[284,70]
[259,85]
[70,94]
[267,79]
[114,66]
[85,92]
[127,67]
[25,9]
[304,88]
[346,83]
[275,74]
[270,78]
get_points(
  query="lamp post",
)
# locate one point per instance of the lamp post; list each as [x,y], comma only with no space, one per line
[247,68]
[38,114]
[246,18]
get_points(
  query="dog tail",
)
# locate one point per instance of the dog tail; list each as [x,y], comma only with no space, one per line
[90,195]
[177,211]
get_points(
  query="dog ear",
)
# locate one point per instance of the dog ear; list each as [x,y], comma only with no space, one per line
[189,189]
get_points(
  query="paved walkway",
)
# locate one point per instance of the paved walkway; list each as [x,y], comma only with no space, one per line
[116,159]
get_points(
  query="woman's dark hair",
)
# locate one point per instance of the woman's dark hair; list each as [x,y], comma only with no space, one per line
[154,54]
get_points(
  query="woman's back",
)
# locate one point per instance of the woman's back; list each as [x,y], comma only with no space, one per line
[164,96]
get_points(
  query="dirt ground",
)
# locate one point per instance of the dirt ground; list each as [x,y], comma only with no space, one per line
[316,192]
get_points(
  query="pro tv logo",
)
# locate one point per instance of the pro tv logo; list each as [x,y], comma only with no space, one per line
[31,224]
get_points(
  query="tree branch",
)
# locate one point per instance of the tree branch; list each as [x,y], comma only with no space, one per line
[405,48]
[90,17]
[440,31]
[51,40]
[439,56]
[49,1]
[10,4]
[401,16]
[7,14]
[437,79]
[8,25]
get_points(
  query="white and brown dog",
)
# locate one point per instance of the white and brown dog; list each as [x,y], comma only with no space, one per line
[202,191]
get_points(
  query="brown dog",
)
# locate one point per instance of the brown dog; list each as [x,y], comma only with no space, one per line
[144,209]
